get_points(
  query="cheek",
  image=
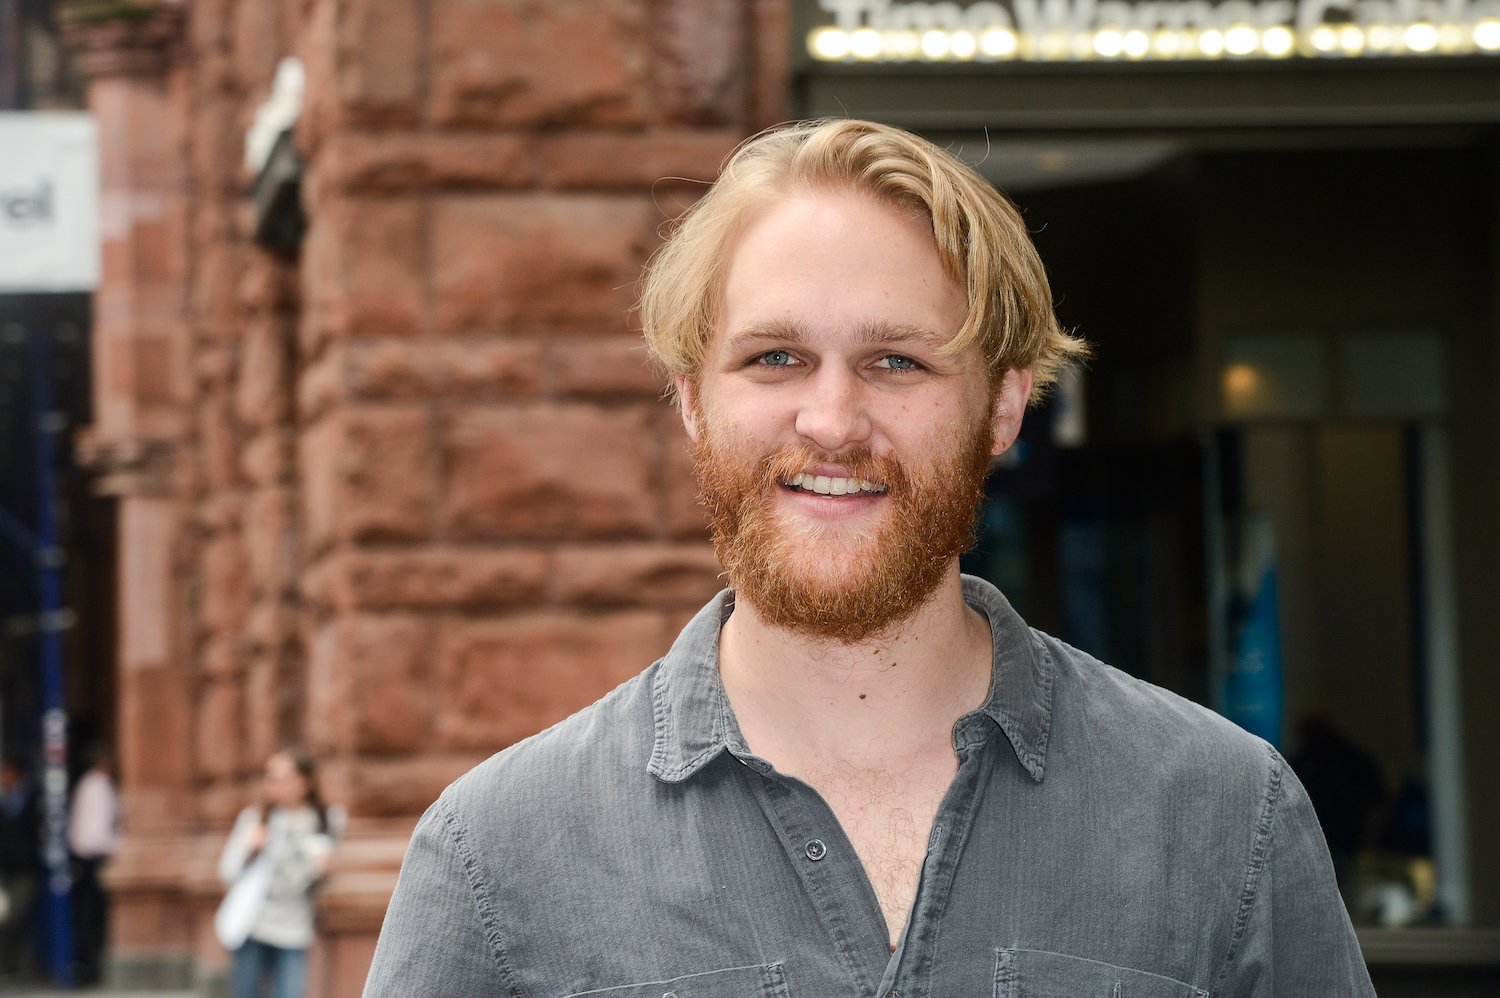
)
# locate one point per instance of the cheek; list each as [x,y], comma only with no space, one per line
[744,420]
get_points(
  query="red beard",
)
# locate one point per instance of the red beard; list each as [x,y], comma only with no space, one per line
[835,580]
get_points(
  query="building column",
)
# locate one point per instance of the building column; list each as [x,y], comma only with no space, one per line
[135,446]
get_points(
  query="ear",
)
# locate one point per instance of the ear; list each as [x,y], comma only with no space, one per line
[1010,406]
[687,404]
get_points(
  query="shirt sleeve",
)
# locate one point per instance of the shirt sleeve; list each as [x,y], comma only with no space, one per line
[440,935]
[237,849]
[1297,938]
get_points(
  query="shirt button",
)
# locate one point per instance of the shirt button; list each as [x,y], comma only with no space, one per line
[816,850]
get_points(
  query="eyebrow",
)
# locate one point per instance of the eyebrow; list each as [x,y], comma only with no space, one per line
[867,333]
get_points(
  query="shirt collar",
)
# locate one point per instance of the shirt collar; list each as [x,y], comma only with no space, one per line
[694,723]
[1020,699]
[693,719]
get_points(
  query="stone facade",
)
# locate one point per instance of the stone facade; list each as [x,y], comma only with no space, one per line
[410,494]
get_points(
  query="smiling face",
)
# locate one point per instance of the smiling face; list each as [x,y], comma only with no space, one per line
[839,451]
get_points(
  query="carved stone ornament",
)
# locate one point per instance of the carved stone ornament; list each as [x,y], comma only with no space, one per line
[122,37]
[129,466]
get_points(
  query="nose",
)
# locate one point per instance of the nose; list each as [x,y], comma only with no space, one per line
[833,414]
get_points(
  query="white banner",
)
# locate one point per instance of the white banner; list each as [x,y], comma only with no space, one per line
[49,202]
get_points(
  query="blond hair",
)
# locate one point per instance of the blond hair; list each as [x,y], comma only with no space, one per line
[981,240]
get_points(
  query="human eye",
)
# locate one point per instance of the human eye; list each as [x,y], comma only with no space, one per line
[897,362]
[775,358]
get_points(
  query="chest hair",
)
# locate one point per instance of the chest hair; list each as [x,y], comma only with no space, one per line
[887,816]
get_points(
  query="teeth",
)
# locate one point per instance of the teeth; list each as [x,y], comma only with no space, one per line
[825,485]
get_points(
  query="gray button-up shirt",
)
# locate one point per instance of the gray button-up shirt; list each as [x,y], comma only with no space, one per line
[1103,839]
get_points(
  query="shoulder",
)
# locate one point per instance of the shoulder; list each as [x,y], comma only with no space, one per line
[582,763]
[505,837]
[237,842]
[90,785]
[1111,718]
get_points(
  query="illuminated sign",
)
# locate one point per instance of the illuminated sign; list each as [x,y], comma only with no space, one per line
[1113,30]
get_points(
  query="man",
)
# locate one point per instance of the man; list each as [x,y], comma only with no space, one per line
[93,839]
[857,772]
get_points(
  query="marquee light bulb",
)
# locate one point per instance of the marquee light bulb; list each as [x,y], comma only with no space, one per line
[1487,34]
[1421,37]
[865,44]
[935,44]
[1241,39]
[1277,42]
[963,44]
[828,43]
[998,43]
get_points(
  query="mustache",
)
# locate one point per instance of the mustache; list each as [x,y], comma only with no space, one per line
[786,462]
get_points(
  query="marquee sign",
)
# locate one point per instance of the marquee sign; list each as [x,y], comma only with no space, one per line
[1147,30]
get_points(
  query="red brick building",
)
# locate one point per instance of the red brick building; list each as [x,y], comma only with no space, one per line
[411,493]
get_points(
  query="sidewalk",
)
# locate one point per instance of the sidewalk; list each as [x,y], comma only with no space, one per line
[36,991]
[98,993]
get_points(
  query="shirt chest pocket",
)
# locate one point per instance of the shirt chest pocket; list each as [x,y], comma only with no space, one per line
[1029,973]
[768,981]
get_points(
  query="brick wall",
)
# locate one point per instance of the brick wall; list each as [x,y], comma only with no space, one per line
[419,494]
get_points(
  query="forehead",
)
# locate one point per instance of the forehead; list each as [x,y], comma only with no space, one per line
[280,765]
[839,262]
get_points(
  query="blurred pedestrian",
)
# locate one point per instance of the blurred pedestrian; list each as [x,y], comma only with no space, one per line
[20,868]
[275,856]
[93,838]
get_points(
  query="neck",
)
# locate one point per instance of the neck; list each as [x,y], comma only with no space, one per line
[891,698]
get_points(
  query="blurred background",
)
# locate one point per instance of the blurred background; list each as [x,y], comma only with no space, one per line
[323,420]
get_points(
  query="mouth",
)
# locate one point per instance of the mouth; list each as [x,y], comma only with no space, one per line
[827,485]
